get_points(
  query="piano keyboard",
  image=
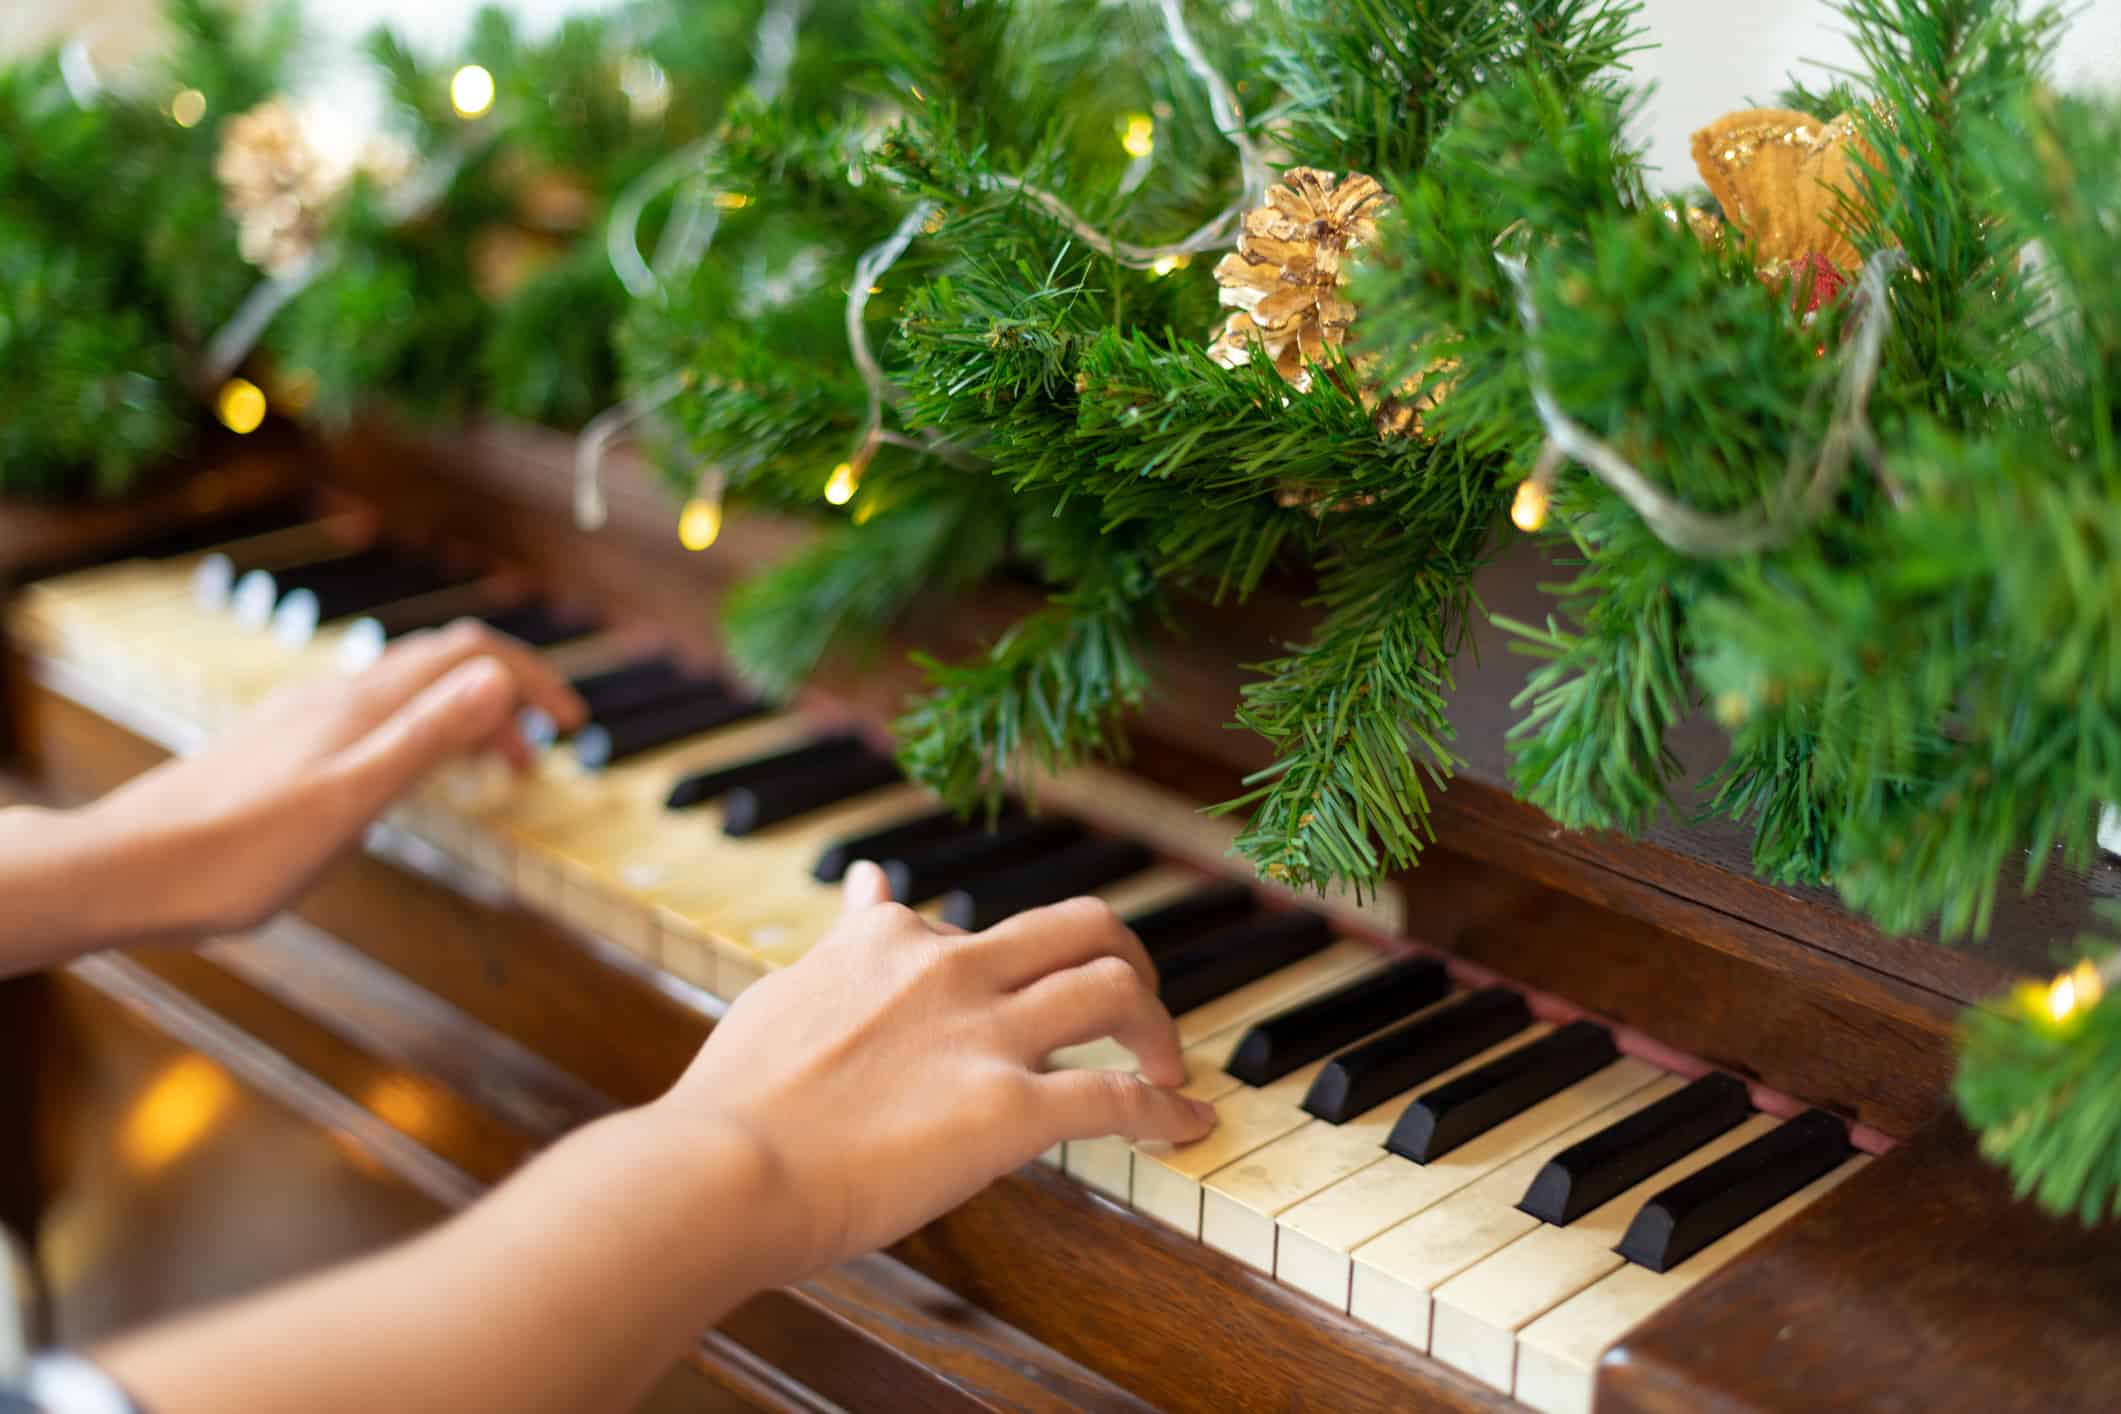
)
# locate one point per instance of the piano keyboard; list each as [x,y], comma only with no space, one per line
[1508,1193]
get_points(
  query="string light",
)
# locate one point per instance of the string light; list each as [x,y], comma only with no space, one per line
[1529,511]
[241,406]
[187,108]
[2074,990]
[471,91]
[731,200]
[840,486]
[1139,138]
[700,523]
[1165,264]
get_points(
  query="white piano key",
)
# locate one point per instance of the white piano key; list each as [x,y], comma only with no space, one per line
[1317,1235]
[1395,1272]
[1558,1354]
[1478,1313]
[1240,1208]
[1108,1164]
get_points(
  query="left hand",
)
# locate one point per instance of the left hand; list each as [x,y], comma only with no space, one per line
[231,834]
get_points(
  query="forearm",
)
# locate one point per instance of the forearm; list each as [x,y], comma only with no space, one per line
[72,882]
[571,1288]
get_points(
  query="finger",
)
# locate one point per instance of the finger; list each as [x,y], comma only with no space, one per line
[865,887]
[1090,1104]
[1045,940]
[454,715]
[424,658]
[1101,998]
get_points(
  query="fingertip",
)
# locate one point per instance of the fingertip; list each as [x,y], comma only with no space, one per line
[864,887]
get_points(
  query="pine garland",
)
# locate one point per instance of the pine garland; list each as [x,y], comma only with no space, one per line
[942,282]
[114,258]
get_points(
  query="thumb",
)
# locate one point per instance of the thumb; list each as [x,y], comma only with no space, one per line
[865,887]
[456,713]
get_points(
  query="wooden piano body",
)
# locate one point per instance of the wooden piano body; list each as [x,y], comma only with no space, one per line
[440,1031]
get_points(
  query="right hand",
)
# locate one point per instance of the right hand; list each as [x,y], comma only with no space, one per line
[899,1067]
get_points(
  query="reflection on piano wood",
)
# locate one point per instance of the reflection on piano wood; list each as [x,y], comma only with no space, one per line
[1479,1174]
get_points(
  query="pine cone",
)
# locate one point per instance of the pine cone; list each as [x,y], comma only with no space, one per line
[1284,278]
[275,184]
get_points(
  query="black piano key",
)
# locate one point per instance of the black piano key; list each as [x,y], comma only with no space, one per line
[539,624]
[1359,1080]
[400,618]
[1293,1039]
[1191,917]
[1218,965]
[196,537]
[641,683]
[614,739]
[338,567]
[749,809]
[717,781]
[1477,1101]
[340,597]
[921,872]
[1082,869]
[1738,1187]
[1621,1155]
[915,833]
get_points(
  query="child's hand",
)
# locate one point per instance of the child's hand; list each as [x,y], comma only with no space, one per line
[227,836]
[898,1068]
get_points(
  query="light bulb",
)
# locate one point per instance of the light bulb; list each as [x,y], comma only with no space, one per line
[839,488]
[2073,991]
[241,406]
[1529,511]
[1139,139]
[187,108]
[471,91]
[1165,264]
[700,523]
[731,201]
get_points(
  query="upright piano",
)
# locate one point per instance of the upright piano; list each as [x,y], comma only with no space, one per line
[1555,1121]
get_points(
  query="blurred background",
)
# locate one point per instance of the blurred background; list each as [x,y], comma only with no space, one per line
[1711,55]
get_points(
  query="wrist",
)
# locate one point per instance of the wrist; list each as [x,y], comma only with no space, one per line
[148,874]
[730,1190]
[75,880]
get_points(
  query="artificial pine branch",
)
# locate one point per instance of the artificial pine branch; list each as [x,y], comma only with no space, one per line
[2040,1090]
[843,593]
[1052,693]
[1357,715]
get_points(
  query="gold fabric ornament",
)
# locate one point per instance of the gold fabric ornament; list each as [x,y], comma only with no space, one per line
[1283,280]
[1782,179]
[275,184]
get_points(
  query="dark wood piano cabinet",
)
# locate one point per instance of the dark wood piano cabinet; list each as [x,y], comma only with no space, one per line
[1918,1284]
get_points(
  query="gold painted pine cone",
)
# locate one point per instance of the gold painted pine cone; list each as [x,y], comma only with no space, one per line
[1283,280]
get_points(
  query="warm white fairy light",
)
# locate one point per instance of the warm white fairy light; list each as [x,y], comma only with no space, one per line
[471,91]
[1528,511]
[241,406]
[187,108]
[2074,990]
[841,485]
[1139,138]
[700,522]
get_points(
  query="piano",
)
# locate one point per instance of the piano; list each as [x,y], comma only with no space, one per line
[1554,1121]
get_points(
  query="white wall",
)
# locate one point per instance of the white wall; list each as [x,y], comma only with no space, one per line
[1714,56]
